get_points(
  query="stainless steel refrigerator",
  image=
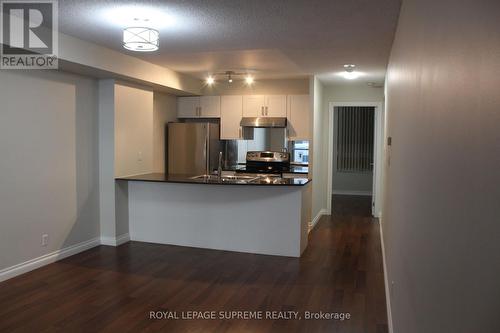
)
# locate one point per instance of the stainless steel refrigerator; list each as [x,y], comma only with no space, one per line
[192,148]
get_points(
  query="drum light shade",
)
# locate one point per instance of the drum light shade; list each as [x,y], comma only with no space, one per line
[141,39]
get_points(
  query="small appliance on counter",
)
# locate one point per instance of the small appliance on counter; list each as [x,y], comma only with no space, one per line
[192,148]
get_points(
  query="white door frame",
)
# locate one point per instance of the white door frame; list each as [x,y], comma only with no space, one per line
[377,152]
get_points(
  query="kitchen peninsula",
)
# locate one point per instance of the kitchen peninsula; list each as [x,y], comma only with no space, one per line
[262,215]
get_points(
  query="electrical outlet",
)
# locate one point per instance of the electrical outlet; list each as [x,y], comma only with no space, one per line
[45,240]
[139,156]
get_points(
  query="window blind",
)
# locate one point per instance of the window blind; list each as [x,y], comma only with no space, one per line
[355,132]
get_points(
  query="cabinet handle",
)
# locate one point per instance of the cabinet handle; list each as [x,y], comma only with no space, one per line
[267,111]
[261,110]
[239,133]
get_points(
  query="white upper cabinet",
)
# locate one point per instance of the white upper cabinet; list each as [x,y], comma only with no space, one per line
[299,117]
[275,106]
[188,107]
[230,117]
[209,107]
[230,110]
[253,105]
[264,106]
[198,107]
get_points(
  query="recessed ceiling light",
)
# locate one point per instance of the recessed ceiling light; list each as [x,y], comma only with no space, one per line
[141,39]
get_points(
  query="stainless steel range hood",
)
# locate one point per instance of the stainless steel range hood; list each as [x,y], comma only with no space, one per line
[269,122]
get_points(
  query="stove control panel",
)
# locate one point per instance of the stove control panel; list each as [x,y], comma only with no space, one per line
[268,156]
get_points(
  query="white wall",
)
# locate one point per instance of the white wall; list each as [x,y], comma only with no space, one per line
[133,131]
[48,165]
[441,219]
[319,154]
[351,93]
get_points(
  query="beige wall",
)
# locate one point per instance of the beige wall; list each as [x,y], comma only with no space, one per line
[319,159]
[441,218]
[260,87]
[77,55]
[133,131]
[164,111]
[140,119]
[49,165]
[351,92]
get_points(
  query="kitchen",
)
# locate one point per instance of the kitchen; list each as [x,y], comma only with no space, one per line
[227,153]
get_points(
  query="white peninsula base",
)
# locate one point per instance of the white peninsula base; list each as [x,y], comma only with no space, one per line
[256,219]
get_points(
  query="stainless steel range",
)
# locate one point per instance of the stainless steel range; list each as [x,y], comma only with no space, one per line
[267,162]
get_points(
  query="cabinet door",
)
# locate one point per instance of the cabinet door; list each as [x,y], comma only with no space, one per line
[299,117]
[188,107]
[210,106]
[253,106]
[230,117]
[275,106]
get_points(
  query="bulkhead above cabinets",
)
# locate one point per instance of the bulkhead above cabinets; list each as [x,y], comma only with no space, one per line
[231,108]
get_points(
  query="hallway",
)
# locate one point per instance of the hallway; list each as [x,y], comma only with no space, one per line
[114,289]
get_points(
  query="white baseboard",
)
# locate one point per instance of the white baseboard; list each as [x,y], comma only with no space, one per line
[386,281]
[112,241]
[364,193]
[10,272]
[316,219]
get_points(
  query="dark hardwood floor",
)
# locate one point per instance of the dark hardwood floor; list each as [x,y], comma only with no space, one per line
[352,205]
[110,289]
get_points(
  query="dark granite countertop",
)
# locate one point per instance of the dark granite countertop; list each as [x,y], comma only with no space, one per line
[188,179]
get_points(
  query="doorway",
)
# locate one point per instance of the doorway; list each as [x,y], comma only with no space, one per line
[354,154]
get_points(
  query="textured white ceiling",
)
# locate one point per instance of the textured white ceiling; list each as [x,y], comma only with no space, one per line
[272,38]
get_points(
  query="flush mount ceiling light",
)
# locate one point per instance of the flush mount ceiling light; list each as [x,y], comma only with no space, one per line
[230,76]
[141,39]
[350,73]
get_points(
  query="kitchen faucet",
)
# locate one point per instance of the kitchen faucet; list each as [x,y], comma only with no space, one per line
[219,168]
